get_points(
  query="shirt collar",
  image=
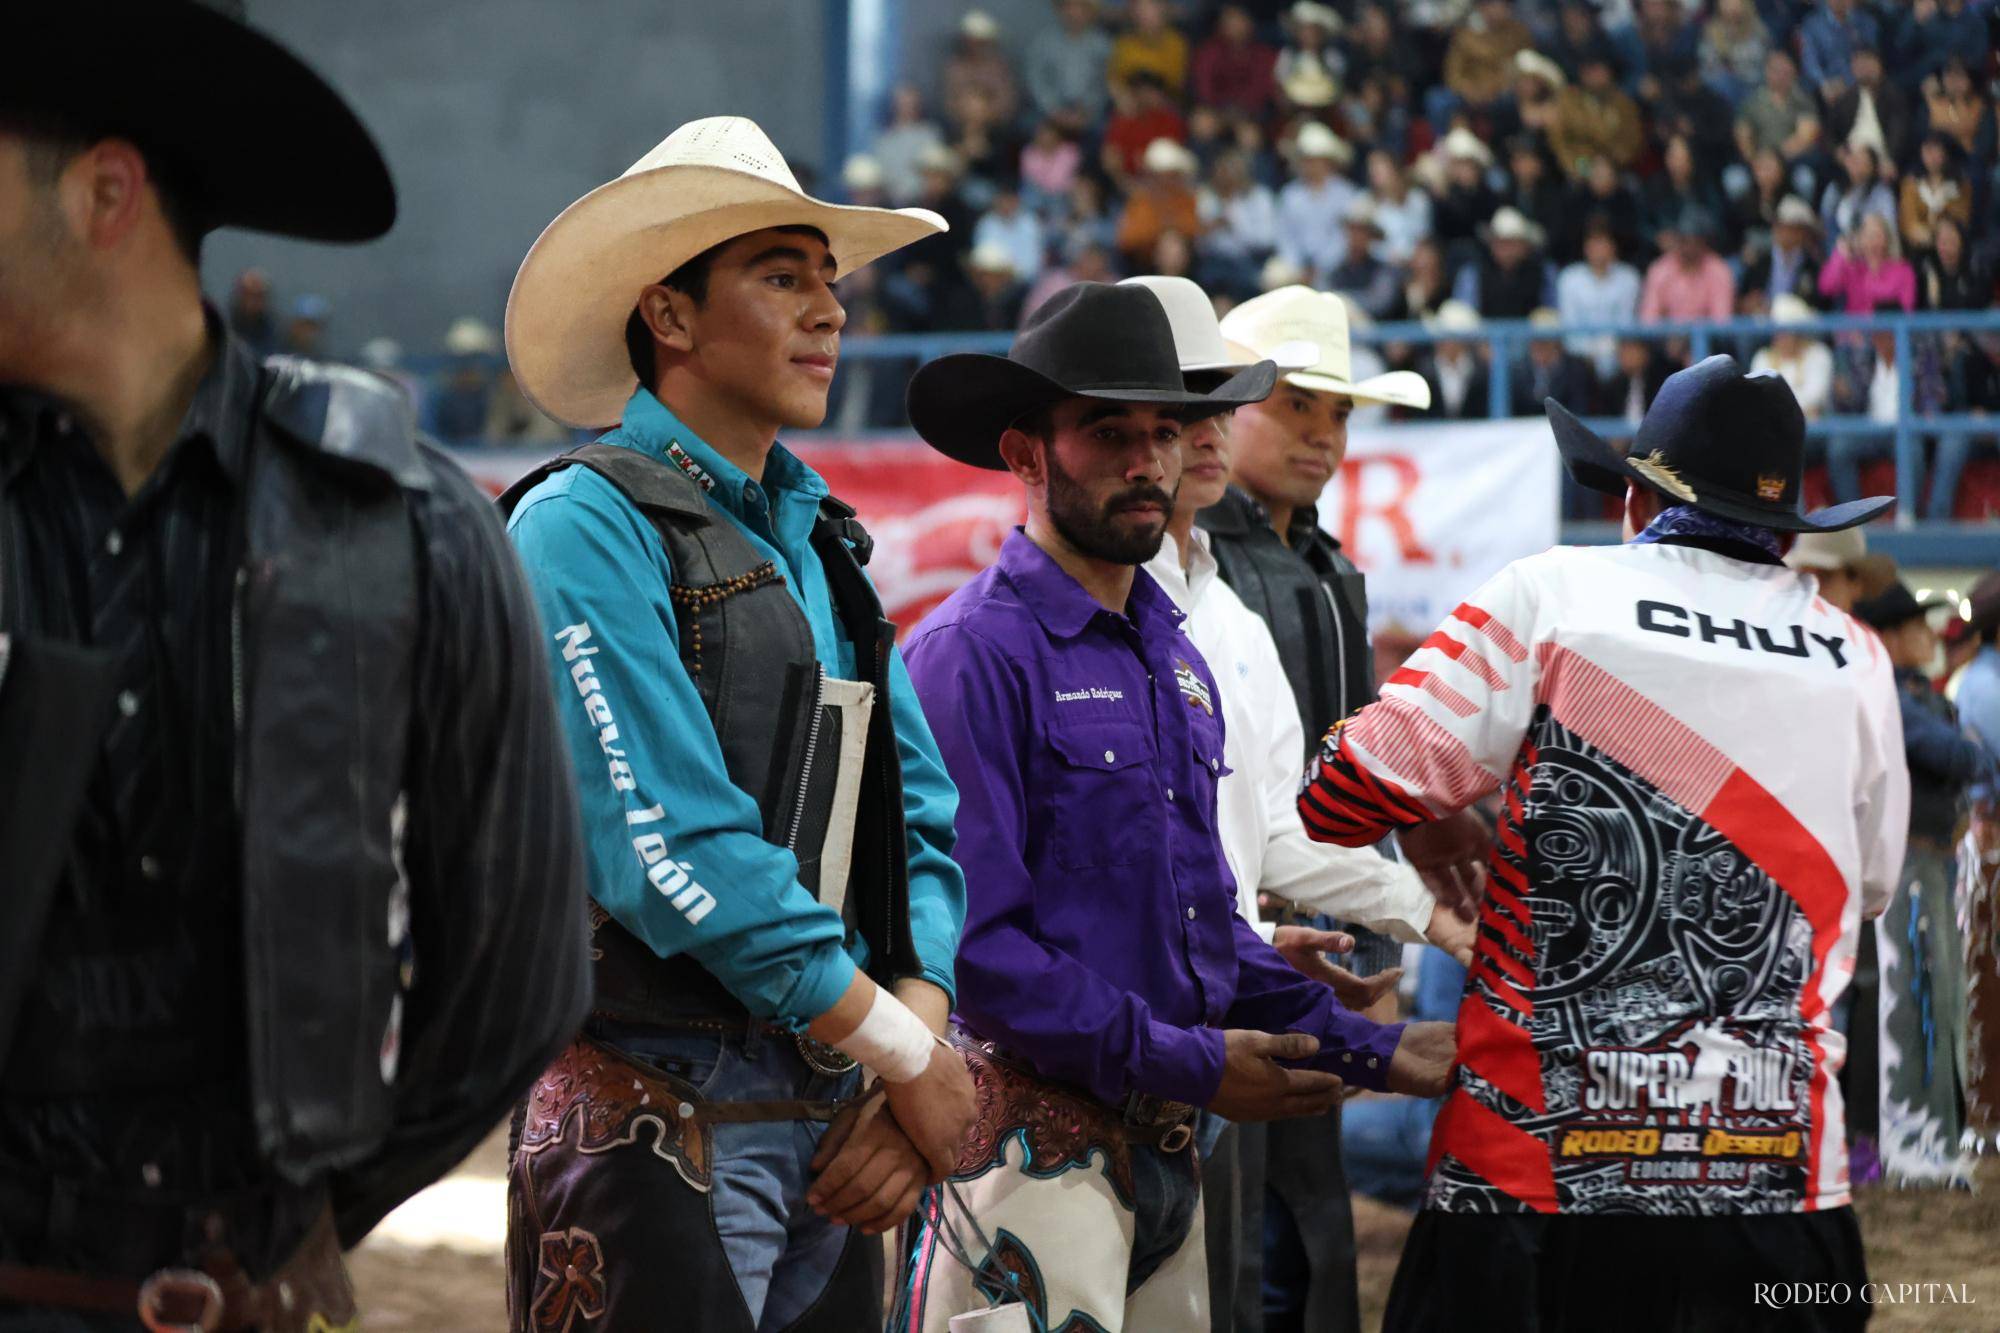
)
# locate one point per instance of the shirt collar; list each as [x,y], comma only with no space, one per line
[1062,605]
[218,417]
[652,427]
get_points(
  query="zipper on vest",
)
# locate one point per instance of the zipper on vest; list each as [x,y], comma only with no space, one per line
[806,762]
[1339,647]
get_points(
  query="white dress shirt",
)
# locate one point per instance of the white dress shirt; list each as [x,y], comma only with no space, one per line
[1257,802]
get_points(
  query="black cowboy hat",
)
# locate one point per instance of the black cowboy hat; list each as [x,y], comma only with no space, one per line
[1089,340]
[1718,439]
[259,139]
[1895,605]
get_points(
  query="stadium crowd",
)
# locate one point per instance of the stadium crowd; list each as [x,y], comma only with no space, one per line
[1447,161]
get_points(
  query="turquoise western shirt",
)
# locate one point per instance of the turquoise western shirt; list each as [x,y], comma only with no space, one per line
[646,755]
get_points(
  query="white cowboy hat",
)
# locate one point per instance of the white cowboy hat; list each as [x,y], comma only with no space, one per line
[708,182]
[1316,140]
[1787,308]
[990,257]
[1277,272]
[978,25]
[470,337]
[1199,344]
[862,172]
[1540,66]
[1168,158]
[1317,15]
[1300,314]
[1462,142]
[1511,224]
[1828,550]
[1796,212]
[1453,317]
[1309,84]
[1361,213]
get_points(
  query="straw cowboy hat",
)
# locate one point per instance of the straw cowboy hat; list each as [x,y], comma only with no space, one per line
[708,182]
[1316,140]
[1718,439]
[262,141]
[1089,340]
[1539,66]
[1168,158]
[1511,224]
[1299,314]
[1796,212]
[1462,142]
[1454,317]
[1206,356]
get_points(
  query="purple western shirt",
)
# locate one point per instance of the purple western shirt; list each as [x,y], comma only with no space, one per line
[1101,938]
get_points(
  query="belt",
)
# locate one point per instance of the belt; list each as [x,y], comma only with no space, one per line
[1139,1119]
[824,1060]
[309,1291]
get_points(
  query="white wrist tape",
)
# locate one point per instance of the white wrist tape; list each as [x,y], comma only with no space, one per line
[891,1040]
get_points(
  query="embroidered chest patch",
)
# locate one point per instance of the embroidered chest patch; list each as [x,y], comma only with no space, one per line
[1193,688]
[685,462]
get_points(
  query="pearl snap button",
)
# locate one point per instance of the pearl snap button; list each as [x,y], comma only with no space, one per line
[1170,793]
[1190,914]
[1372,1062]
[1347,1057]
[687,1111]
[1109,757]
[114,543]
[128,702]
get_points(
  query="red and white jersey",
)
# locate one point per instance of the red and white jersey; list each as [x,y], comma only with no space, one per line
[1701,767]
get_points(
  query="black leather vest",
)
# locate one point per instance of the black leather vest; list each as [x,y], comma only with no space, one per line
[748,648]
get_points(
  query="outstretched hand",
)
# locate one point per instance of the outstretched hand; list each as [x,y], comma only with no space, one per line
[1450,854]
[1256,1087]
[1424,1059]
[1306,949]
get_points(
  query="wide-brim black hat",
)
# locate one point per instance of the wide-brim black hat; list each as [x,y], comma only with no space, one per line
[1089,340]
[1715,438]
[1894,606]
[256,138]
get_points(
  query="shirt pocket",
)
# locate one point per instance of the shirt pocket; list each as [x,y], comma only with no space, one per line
[1103,801]
[1209,763]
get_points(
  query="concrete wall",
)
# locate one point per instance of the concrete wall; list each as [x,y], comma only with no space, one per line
[495,114]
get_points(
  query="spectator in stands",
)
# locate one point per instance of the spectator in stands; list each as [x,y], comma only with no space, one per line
[1479,64]
[989,301]
[1865,384]
[903,145]
[1172,257]
[1466,202]
[1689,282]
[1238,228]
[1635,379]
[862,182]
[1534,190]
[1014,231]
[1064,70]
[1550,371]
[1149,44]
[1233,71]
[1362,276]
[1865,271]
[1679,187]
[1687,108]
[1595,121]
[978,66]
[1458,380]
[1734,44]
[1428,285]
[1780,116]
[1872,112]
[1827,41]
[1954,103]
[1843,204]
[1085,261]
[1578,38]
[1604,194]
[1935,191]
[1790,265]
[250,311]
[1971,384]
[1312,204]
[1208,137]
[1509,280]
[1375,48]
[1657,41]
[1598,289]
[1755,211]
[1934,31]
[1049,163]
[512,422]
[1538,85]
[1801,360]
[457,407]
[1402,210]
[305,332]
[1950,279]
[1142,112]
[1309,69]
[384,356]
[1162,201]
[988,153]
[1086,220]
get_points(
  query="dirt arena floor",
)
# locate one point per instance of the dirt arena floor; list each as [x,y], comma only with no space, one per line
[435,1266]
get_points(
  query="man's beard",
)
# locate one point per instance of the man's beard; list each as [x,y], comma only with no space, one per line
[1092,530]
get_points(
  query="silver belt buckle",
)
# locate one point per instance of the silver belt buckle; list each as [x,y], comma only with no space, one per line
[182,1287]
[822,1059]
